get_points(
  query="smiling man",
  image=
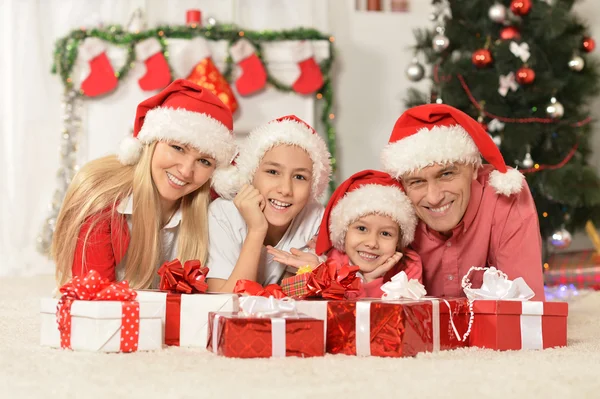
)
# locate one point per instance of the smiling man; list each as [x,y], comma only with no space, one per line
[470,214]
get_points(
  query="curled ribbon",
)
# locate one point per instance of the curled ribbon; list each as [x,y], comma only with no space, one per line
[520,50]
[252,288]
[187,279]
[331,280]
[400,287]
[497,286]
[507,82]
[92,287]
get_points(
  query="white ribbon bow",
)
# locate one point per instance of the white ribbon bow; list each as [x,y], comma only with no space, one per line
[495,126]
[496,285]
[520,50]
[507,82]
[258,306]
[400,287]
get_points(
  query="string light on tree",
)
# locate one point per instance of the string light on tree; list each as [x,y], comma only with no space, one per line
[211,21]
[555,109]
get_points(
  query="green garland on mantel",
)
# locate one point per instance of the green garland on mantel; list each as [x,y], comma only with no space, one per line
[65,55]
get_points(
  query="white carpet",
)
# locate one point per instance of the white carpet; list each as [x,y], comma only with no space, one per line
[28,370]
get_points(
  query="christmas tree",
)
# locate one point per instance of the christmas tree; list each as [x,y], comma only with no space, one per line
[521,68]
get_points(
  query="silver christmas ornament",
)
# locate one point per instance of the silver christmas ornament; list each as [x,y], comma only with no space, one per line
[555,109]
[561,239]
[527,161]
[415,71]
[497,13]
[497,140]
[440,42]
[576,63]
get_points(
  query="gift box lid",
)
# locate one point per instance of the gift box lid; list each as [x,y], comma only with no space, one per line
[521,307]
[242,315]
[456,301]
[102,309]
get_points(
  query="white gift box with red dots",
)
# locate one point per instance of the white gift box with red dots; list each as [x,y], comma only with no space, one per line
[97,326]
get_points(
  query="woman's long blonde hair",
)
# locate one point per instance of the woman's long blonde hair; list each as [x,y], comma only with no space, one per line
[100,185]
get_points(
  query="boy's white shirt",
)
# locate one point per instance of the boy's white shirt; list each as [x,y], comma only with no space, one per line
[168,235]
[227,231]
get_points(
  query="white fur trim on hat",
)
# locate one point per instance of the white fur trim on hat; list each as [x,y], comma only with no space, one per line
[241,50]
[186,127]
[441,144]
[147,48]
[507,183]
[265,137]
[188,56]
[226,181]
[369,199]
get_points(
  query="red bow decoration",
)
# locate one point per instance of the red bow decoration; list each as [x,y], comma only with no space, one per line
[92,287]
[329,280]
[187,279]
[253,288]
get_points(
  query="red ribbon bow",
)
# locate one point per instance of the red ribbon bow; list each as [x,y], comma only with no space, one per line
[92,287]
[187,279]
[330,280]
[253,288]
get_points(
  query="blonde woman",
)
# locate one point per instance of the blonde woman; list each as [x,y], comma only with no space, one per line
[125,215]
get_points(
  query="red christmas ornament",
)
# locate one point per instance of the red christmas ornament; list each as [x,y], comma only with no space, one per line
[510,33]
[482,58]
[525,75]
[588,44]
[520,7]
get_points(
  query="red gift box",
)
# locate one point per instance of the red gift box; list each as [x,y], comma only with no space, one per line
[238,335]
[514,325]
[391,328]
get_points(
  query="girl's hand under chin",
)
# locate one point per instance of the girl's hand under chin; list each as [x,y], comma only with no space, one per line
[383,267]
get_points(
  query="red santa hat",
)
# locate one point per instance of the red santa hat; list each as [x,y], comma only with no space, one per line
[186,113]
[289,130]
[438,133]
[365,193]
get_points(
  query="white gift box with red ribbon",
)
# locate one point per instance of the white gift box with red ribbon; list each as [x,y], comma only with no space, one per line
[97,325]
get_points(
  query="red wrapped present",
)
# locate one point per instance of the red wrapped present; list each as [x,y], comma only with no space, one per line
[329,280]
[514,325]
[252,288]
[398,328]
[266,327]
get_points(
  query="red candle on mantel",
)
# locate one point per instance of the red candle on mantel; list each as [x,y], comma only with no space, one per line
[193,17]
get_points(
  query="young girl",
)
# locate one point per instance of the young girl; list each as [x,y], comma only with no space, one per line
[124,216]
[368,222]
[282,169]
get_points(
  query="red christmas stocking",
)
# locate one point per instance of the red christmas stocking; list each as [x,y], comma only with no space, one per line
[254,76]
[311,78]
[101,78]
[157,74]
